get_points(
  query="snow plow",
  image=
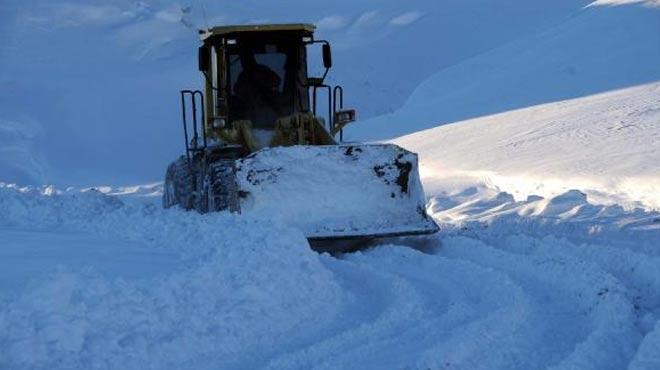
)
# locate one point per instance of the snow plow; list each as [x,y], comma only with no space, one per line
[256,145]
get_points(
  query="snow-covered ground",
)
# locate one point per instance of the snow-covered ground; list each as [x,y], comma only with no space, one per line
[544,181]
[105,281]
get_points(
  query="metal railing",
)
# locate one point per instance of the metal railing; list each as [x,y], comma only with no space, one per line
[340,90]
[196,98]
[335,96]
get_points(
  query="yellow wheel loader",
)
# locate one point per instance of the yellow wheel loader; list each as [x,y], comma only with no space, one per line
[256,146]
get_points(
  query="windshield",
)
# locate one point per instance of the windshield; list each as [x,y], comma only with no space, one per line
[262,81]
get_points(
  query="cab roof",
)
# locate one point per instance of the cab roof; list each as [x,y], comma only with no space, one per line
[305,28]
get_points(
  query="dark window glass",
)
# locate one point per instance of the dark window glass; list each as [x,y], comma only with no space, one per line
[274,61]
[258,86]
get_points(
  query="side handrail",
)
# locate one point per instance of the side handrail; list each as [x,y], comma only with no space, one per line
[329,89]
[340,90]
[335,103]
[193,146]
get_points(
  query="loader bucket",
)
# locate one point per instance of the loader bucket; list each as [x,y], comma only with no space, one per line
[336,192]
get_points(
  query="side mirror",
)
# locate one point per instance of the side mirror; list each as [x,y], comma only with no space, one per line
[327,56]
[203,58]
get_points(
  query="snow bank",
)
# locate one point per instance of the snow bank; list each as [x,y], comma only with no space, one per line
[245,285]
[487,213]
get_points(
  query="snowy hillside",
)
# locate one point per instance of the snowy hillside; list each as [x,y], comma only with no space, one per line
[92,76]
[606,145]
[606,46]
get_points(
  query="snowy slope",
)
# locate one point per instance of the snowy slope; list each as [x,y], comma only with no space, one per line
[94,77]
[606,145]
[606,46]
[21,159]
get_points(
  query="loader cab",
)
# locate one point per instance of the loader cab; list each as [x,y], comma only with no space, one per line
[258,74]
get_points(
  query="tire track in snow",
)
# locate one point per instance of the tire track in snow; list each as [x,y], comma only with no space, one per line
[623,244]
[371,300]
[443,303]
[637,271]
[598,319]
[618,244]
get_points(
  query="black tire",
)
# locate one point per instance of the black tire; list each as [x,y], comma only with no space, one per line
[179,186]
[220,187]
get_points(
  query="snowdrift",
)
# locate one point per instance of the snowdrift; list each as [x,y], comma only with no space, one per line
[241,285]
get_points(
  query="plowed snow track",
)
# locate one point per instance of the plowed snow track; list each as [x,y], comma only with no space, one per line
[471,305]
[492,291]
